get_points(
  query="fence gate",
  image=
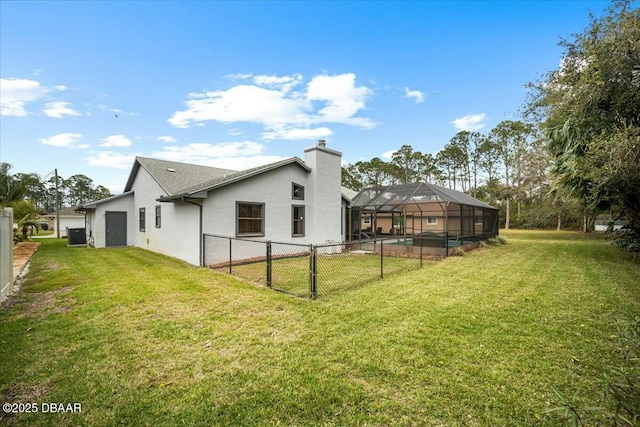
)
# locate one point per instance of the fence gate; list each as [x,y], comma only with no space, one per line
[289,268]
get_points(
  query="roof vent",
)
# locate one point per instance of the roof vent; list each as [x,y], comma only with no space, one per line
[322,143]
[171,170]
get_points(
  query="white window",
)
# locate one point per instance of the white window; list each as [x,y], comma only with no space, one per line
[432,220]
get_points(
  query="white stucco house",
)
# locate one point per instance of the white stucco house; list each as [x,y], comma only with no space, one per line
[168,206]
[69,218]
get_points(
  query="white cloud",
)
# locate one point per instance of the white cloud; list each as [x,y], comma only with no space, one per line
[167,139]
[415,94]
[58,109]
[285,83]
[15,93]
[228,155]
[273,102]
[111,159]
[343,99]
[471,122]
[64,140]
[61,88]
[297,133]
[388,154]
[243,103]
[116,141]
[239,76]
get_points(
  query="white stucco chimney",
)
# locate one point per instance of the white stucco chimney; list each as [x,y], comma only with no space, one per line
[326,179]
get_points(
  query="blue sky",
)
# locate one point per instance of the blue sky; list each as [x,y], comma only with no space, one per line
[87,86]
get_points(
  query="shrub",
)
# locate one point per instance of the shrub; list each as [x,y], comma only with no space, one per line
[492,241]
[458,251]
[501,240]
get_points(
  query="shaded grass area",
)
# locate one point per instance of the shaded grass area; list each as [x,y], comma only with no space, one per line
[141,339]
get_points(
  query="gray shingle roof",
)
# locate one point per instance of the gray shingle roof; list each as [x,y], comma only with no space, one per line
[93,205]
[174,177]
[227,179]
[65,212]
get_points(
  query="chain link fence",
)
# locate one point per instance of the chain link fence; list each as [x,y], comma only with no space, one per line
[311,271]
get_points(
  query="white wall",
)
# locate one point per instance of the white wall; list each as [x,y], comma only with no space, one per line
[326,191]
[272,188]
[96,219]
[179,232]
[69,222]
[322,201]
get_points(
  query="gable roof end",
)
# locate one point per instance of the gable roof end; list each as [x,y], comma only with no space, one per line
[172,177]
[225,180]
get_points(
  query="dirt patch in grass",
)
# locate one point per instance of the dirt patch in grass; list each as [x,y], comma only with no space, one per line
[22,253]
[46,303]
[21,394]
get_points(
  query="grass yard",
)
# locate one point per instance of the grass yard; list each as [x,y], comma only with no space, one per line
[481,340]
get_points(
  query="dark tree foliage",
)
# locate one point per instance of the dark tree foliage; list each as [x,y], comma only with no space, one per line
[590,113]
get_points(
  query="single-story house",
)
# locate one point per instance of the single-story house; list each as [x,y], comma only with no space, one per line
[69,218]
[168,207]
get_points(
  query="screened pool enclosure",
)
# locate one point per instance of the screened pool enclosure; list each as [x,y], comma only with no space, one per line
[421,214]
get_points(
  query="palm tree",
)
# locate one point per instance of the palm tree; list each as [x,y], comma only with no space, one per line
[28,223]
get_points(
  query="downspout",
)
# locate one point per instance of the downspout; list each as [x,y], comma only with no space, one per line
[200,239]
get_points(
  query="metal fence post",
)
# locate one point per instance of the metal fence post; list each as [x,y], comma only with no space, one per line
[446,245]
[313,273]
[420,254]
[230,256]
[381,259]
[268,263]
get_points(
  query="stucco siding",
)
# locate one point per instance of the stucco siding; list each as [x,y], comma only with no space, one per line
[69,222]
[96,219]
[272,188]
[178,234]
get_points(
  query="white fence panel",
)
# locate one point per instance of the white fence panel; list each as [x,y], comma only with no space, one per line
[6,251]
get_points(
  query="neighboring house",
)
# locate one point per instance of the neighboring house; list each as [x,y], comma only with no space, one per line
[69,218]
[167,207]
[602,223]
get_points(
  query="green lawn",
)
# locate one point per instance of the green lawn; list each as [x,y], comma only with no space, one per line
[481,340]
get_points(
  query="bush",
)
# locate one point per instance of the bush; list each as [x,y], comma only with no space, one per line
[458,251]
[501,240]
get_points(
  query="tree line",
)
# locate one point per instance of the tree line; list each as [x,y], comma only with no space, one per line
[507,167]
[30,193]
